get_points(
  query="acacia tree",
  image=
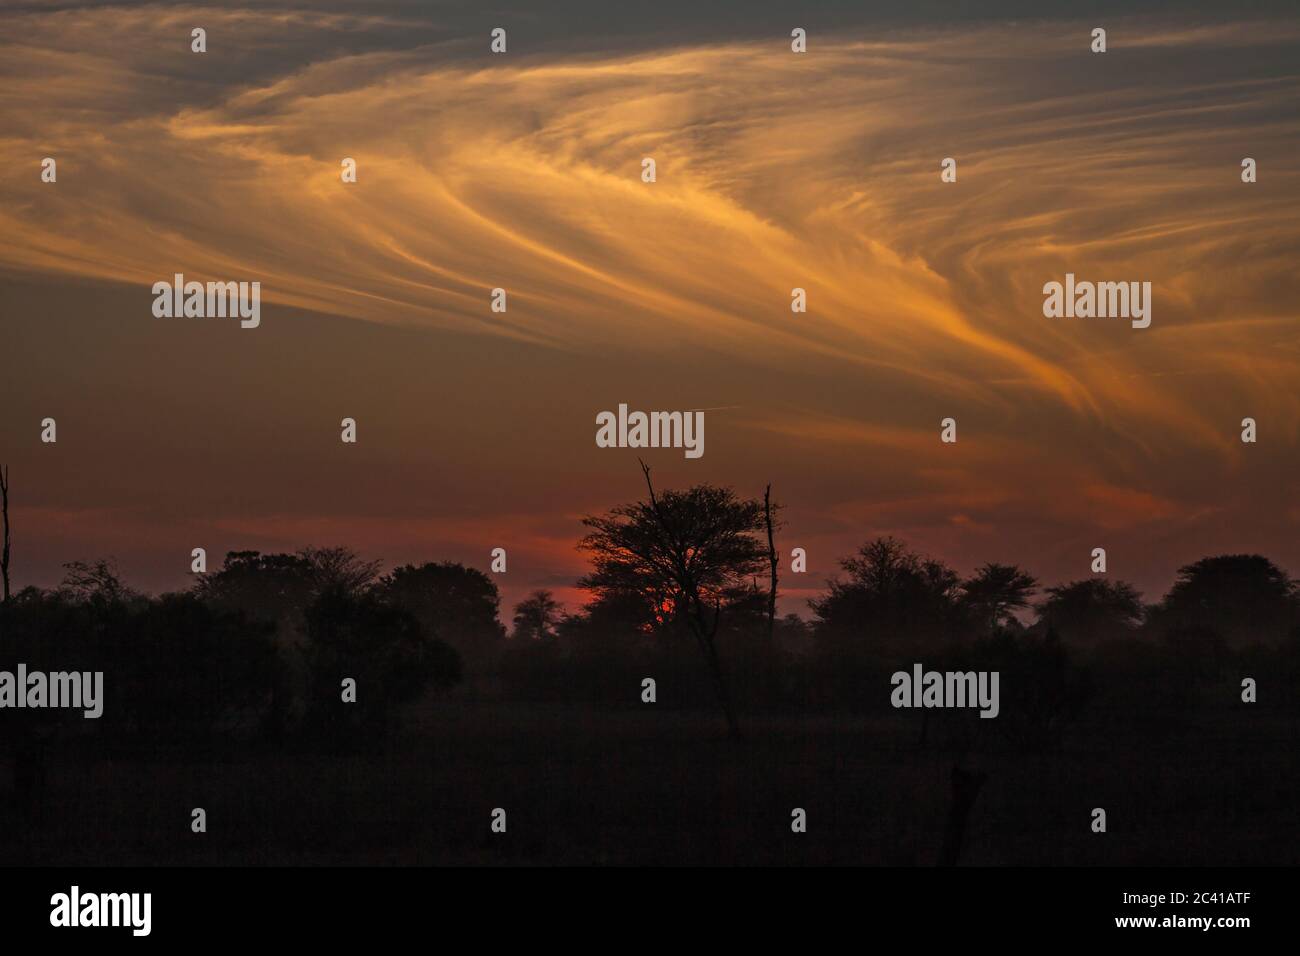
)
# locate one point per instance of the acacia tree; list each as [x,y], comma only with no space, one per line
[684,551]
[892,597]
[1244,597]
[537,616]
[1091,610]
[995,592]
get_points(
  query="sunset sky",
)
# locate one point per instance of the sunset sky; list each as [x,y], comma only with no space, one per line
[774,171]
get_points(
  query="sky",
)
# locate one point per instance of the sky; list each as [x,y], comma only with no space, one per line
[775,170]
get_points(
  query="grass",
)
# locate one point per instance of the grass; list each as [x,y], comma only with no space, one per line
[655,786]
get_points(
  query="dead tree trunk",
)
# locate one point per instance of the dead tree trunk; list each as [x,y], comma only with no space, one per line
[966,785]
[4,515]
[771,595]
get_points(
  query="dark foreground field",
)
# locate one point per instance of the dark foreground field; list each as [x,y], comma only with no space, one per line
[660,787]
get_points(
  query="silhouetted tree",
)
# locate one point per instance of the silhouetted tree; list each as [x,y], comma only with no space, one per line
[96,581]
[380,646]
[994,592]
[180,673]
[457,604]
[1092,610]
[531,665]
[768,508]
[1245,598]
[339,569]
[537,616]
[278,589]
[600,653]
[187,673]
[268,587]
[608,621]
[891,596]
[683,551]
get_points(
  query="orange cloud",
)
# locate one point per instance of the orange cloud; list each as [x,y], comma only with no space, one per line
[775,171]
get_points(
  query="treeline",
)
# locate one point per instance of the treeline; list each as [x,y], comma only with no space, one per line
[258,649]
[1058,648]
[261,648]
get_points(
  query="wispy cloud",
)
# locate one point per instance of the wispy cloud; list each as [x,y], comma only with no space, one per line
[818,171]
